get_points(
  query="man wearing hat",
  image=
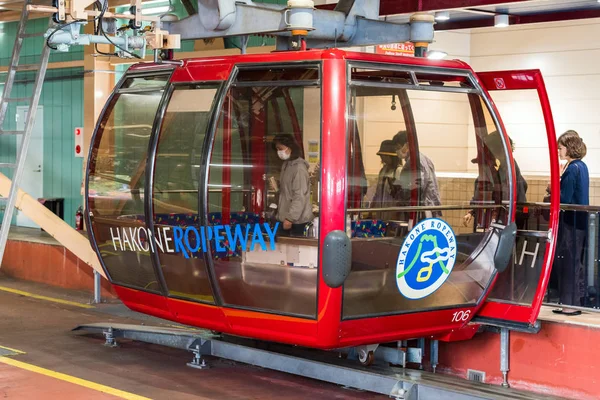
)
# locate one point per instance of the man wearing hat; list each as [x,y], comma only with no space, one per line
[426,182]
[386,191]
[493,177]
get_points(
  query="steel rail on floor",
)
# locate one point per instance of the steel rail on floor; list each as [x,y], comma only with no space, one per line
[398,383]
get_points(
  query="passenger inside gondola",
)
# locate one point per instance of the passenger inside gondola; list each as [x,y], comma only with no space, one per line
[425,182]
[294,210]
[386,190]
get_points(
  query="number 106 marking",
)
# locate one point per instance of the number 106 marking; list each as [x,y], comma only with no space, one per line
[461,316]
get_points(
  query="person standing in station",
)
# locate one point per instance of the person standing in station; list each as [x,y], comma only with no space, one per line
[574,189]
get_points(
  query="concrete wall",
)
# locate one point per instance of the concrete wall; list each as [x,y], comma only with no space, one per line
[567,53]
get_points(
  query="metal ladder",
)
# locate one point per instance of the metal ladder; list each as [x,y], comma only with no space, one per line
[33,101]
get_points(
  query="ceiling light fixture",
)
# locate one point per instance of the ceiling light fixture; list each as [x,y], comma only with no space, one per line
[444,15]
[501,21]
[436,54]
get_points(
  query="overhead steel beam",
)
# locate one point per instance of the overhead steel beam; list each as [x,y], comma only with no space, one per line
[519,20]
[357,24]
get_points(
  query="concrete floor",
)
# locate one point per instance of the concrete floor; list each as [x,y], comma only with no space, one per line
[42,329]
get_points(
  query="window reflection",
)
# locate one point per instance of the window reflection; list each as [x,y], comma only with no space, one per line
[176,181]
[116,187]
[263,170]
[523,117]
[405,166]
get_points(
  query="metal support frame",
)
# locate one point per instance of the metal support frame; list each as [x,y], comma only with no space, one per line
[591,253]
[29,120]
[97,288]
[434,356]
[324,366]
[504,355]
[422,351]
[351,23]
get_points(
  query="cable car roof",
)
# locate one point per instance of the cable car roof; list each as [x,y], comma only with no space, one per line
[309,55]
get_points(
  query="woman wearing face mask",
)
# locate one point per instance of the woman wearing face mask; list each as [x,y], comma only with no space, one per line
[294,210]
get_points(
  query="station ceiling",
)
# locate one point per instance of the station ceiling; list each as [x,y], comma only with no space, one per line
[463,13]
[480,13]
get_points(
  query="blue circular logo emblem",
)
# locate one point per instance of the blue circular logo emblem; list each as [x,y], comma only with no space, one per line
[426,258]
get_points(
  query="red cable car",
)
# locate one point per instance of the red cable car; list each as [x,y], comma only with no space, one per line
[183,176]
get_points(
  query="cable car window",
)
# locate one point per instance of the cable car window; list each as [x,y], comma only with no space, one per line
[408,148]
[263,195]
[524,121]
[116,188]
[364,75]
[439,80]
[281,74]
[145,82]
[175,186]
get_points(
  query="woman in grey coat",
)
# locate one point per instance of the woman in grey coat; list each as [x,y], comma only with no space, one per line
[294,210]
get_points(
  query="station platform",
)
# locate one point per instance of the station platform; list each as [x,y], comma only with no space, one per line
[46,292]
[41,358]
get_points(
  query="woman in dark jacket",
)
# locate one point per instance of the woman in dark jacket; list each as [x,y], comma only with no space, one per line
[574,189]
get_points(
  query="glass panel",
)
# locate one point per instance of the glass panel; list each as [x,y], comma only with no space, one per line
[412,146]
[146,82]
[252,192]
[176,179]
[439,80]
[524,122]
[378,76]
[116,188]
[279,74]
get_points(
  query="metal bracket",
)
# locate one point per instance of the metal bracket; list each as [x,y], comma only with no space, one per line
[110,338]
[198,362]
[504,355]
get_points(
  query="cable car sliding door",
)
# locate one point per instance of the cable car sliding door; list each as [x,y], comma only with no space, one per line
[246,184]
[413,249]
[116,191]
[522,101]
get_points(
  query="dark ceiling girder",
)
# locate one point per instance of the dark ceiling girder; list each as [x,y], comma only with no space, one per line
[189,7]
[518,20]
[392,7]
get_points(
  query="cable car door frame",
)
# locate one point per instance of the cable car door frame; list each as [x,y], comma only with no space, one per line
[513,314]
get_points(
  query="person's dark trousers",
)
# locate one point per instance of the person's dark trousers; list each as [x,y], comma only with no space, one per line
[296,230]
[568,264]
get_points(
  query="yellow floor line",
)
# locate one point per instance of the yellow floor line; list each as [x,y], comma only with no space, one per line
[52,299]
[13,350]
[72,379]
